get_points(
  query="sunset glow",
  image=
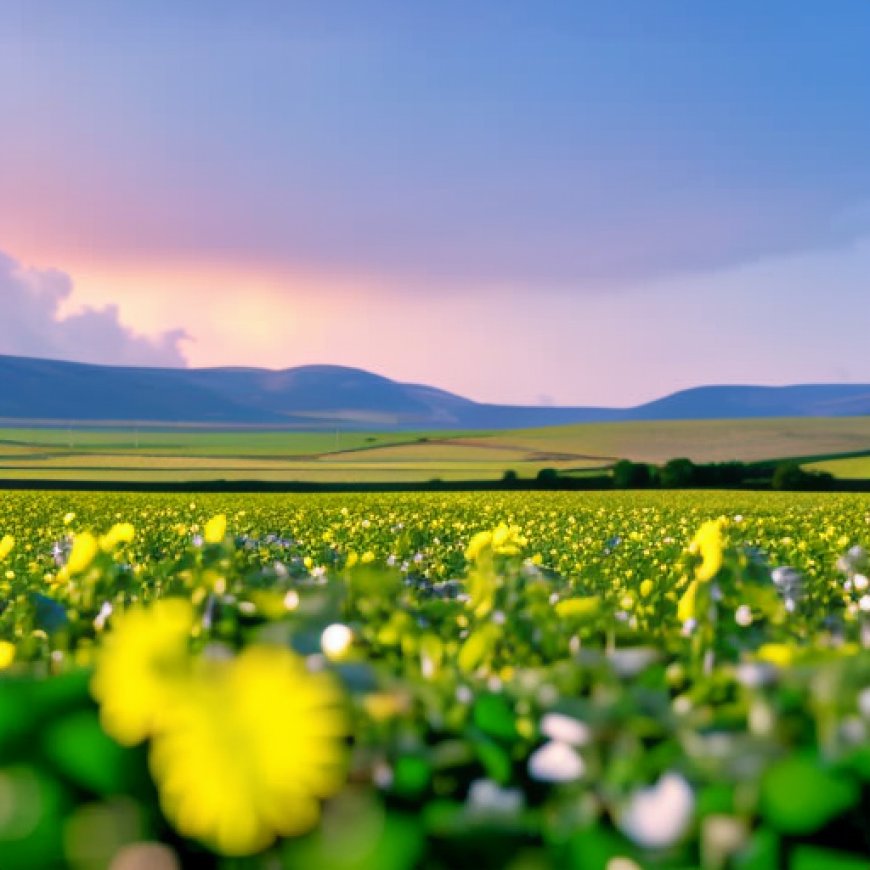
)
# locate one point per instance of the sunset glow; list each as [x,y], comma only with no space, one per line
[437,217]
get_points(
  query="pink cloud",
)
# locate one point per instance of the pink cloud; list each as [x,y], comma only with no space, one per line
[33,325]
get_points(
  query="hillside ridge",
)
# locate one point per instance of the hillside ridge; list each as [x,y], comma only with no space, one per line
[324,396]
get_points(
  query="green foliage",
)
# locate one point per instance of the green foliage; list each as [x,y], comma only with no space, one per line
[799,794]
[632,475]
[790,476]
[528,701]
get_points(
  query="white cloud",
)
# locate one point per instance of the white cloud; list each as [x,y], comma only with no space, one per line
[31,324]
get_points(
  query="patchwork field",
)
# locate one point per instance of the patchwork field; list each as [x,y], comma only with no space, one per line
[201,455]
[701,440]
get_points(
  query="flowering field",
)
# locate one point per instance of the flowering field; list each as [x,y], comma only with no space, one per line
[613,680]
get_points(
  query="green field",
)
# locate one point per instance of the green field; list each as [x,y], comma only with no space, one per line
[200,455]
[849,468]
[527,681]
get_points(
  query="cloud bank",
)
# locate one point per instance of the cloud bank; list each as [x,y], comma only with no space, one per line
[31,324]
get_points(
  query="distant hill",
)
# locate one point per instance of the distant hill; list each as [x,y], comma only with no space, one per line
[322,396]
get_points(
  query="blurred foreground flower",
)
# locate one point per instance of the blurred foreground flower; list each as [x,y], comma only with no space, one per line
[503,540]
[483,579]
[84,550]
[658,816]
[242,748]
[709,545]
[120,533]
[247,755]
[215,529]
[6,546]
[142,668]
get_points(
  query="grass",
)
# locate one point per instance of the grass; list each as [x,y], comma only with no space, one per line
[849,468]
[203,454]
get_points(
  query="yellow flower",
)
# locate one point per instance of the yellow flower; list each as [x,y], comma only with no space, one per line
[215,529]
[500,536]
[142,668]
[381,706]
[687,605]
[120,533]
[503,540]
[84,551]
[779,654]
[248,753]
[6,546]
[709,544]
[477,544]
[578,608]
[7,654]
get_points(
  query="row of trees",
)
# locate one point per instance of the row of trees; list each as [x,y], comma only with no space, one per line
[684,474]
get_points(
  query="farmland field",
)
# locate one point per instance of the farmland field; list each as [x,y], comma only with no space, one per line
[612,680]
[852,467]
[145,454]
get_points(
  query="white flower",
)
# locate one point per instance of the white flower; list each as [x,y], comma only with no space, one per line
[682,705]
[565,729]
[860,582]
[555,762]
[755,674]
[336,640]
[658,816]
[102,616]
[743,615]
[464,695]
[486,797]
[864,603]
[494,684]
[382,775]
[630,661]
[857,555]
[688,627]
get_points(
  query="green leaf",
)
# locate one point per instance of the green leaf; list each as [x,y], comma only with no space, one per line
[814,858]
[411,776]
[31,832]
[81,750]
[593,848]
[762,852]
[15,713]
[358,835]
[799,795]
[495,761]
[494,716]
[478,647]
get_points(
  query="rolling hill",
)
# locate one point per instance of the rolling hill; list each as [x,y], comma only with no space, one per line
[322,397]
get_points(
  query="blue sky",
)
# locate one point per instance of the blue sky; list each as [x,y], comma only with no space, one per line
[586,202]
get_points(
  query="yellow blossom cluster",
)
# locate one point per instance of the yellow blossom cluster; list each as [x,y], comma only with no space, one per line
[243,747]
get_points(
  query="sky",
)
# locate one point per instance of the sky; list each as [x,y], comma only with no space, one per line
[567,203]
